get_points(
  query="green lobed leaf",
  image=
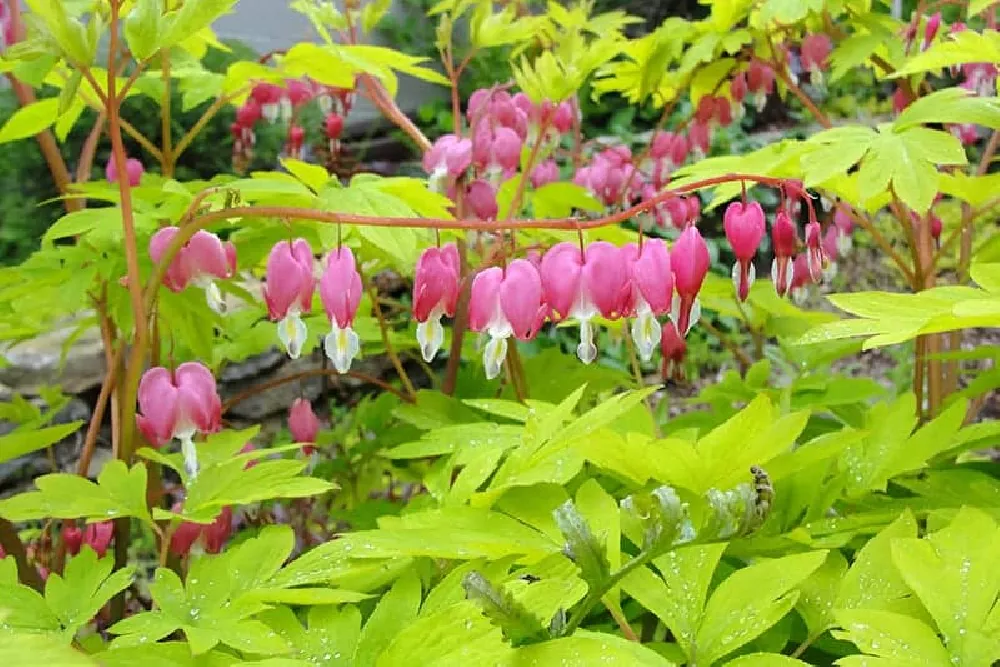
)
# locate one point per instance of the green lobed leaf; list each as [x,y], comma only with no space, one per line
[678,595]
[905,640]
[750,601]
[18,443]
[84,587]
[952,573]
[29,120]
[588,648]
[191,18]
[142,28]
[457,634]
[118,492]
[950,105]
[395,611]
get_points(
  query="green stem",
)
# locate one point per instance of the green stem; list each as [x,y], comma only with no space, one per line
[595,594]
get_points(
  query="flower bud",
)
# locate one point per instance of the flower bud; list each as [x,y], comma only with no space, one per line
[333,126]
[690,260]
[72,537]
[785,241]
[302,421]
[745,227]
[481,199]
[673,348]
[133,169]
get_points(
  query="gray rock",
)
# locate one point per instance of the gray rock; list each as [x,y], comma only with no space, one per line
[277,399]
[256,366]
[36,363]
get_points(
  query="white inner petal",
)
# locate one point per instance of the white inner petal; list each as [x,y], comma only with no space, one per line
[494,355]
[214,297]
[190,453]
[586,350]
[292,333]
[430,335]
[342,345]
[646,332]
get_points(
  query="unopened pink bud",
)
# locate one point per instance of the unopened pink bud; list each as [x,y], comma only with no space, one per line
[98,536]
[562,117]
[302,421]
[690,260]
[133,168]
[745,227]
[481,199]
[738,87]
[674,349]
[931,29]
[72,537]
[333,126]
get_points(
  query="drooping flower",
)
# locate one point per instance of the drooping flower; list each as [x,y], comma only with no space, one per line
[831,252]
[179,405]
[690,261]
[133,169]
[980,78]
[544,173]
[723,111]
[446,161]
[814,251]
[288,291]
[435,294]
[738,88]
[900,100]
[845,227]
[801,279]
[333,127]
[563,116]
[673,348]
[216,533]
[200,261]
[248,114]
[814,53]
[98,536]
[583,285]
[268,96]
[652,292]
[296,142]
[931,30]
[340,289]
[966,133]
[481,198]
[213,536]
[496,151]
[785,241]
[700,139]
[303,424]
[504,303]
[677,212]
[610,176]
[760,82]
[745,227]
[72,537]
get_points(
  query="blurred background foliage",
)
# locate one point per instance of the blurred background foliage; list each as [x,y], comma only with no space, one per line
[28,207]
